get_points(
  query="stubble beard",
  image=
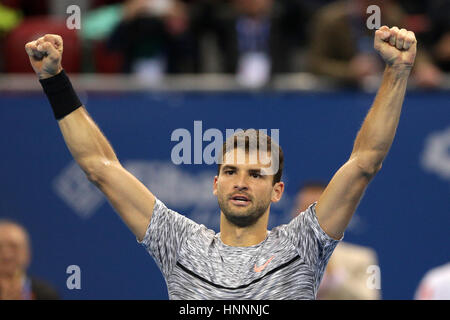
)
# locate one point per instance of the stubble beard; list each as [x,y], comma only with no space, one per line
[243,217]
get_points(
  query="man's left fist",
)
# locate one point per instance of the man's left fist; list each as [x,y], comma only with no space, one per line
[396,46]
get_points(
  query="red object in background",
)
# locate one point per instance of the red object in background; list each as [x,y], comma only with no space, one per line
[417,23]
[16,59]
[106,61]
[12,3]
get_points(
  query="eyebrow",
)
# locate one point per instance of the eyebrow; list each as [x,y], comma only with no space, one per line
[230,167]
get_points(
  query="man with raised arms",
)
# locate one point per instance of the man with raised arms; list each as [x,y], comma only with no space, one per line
[244,260]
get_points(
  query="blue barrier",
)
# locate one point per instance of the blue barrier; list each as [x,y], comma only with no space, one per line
[404,215]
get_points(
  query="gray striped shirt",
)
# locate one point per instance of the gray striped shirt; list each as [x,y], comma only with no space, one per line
[196,264]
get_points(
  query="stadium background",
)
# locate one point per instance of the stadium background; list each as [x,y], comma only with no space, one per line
[404,214]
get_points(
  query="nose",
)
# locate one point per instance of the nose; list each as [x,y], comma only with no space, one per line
[241,182]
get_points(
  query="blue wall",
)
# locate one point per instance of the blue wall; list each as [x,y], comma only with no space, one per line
[404,215]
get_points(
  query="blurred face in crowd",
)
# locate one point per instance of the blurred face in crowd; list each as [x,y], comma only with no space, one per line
[243,193]
[254,8]
[14,249]
[306,197]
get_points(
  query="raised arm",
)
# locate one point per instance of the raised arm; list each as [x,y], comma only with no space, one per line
[340,199]
[89,147]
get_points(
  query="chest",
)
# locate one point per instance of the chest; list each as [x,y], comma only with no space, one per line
[276,272]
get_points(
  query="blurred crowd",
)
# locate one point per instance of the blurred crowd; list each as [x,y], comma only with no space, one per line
[252,39]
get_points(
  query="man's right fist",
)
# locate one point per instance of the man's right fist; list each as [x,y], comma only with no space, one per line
[45,55]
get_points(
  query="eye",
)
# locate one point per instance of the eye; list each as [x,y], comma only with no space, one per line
[229,172]
[255,175]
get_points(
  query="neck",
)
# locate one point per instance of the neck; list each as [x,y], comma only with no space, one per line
[235,236]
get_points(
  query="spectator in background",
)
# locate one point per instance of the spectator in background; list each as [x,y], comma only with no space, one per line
[345,277]
[256,38]
[15,257]
[154,37]
[429,20]
[435,285]
[341,44]
[438,38]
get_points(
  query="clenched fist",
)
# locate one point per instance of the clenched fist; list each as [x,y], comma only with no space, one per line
[45,55]
[396,46]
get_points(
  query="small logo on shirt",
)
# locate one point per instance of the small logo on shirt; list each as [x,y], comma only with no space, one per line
[261,268]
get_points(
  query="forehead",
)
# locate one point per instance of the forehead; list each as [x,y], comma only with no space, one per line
[12,233]
[241,158]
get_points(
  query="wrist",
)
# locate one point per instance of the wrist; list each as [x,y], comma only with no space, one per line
[399,68]
[46,75]
[398,71]
[61,95]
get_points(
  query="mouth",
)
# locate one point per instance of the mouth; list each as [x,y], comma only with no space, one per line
[240,200]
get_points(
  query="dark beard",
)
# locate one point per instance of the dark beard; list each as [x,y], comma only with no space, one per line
[246,219]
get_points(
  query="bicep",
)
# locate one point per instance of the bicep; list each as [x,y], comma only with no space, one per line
[129,197]
[341,197]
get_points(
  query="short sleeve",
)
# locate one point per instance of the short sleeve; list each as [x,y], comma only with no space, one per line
[165,234]
[312,243]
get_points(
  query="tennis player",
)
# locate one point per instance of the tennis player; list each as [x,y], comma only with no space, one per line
[244,260]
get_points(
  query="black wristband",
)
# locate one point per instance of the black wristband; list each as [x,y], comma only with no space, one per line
[61,95]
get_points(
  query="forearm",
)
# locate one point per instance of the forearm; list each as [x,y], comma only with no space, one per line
[378,130]
[87,144]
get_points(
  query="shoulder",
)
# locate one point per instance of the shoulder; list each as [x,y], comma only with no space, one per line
[166,218]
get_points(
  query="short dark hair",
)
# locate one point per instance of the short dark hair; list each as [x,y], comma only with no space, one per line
[246,134]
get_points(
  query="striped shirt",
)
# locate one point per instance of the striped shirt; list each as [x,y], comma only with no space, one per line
[196,264]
